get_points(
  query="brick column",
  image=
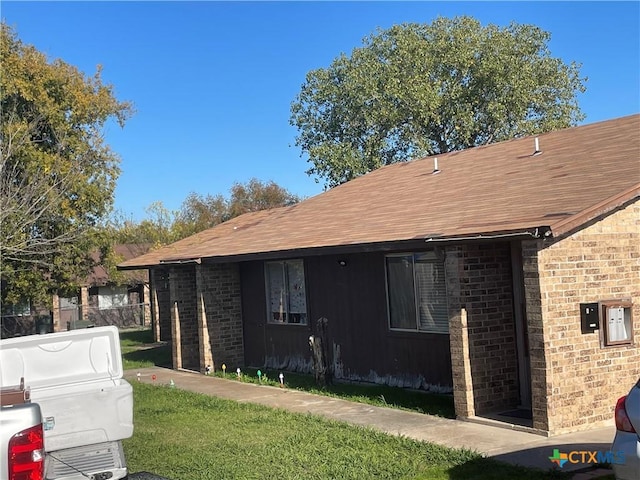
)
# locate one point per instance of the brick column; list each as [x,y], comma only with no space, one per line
[204,345]
[146,305]
[541,389]
[462,379]
[458,338]
[176,345]
[84,303]
[55,312]
[153,303]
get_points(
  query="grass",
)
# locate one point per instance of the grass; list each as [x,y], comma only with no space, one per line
[188,436]
[139,351]
[378,395]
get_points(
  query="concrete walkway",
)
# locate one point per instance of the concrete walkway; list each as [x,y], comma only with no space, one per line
[504,444]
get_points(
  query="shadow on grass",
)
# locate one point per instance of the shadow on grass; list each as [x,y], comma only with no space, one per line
[140,351]
[159,356]
[504,465]
[136,337]
[489,469]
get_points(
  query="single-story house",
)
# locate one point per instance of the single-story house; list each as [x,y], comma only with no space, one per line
[103,299]
[507,274]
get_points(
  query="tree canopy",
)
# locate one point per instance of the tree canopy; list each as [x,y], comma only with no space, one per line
[57,174]
[417,89]
[199,212]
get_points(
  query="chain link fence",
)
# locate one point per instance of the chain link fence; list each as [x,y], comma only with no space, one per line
[82,316]
[19,325]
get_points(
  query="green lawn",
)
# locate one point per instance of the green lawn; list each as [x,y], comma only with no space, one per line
[189,436]
[139,351]
[378,395]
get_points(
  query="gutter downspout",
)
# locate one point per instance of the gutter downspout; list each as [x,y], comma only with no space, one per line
[196,261]
[538,232]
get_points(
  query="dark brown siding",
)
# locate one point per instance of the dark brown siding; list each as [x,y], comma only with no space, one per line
[276,346]
[353,300]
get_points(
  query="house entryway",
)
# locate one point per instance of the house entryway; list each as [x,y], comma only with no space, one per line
[517,412]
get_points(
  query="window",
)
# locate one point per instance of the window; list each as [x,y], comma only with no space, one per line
[112,297]
[615,318]
[68,303]
[286,293]
[20,309]
[416,292]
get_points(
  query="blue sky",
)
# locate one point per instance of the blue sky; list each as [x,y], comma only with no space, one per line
[212,82]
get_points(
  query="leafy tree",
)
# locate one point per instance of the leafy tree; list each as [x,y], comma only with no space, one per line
[418,89]
[199,212]
[255,195]
[57,174]
[157,229]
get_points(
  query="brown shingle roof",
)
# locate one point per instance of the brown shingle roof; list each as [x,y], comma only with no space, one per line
[127,251]
[582,172]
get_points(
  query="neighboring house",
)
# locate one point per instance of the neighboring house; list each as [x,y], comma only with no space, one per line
[509,275]
[101,300]
[23,318]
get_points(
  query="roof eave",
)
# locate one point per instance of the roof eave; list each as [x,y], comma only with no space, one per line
[386,246]
[604,207]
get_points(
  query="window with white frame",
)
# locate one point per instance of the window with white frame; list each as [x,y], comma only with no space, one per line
[112,297]
[286,293]
[416,292]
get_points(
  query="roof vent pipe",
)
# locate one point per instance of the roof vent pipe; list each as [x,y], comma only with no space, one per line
[435,166]
[537,150]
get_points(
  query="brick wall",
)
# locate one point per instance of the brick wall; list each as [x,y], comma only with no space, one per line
[578,379]
[184,305]
[220,285]
[482,327]
[205,314]
[536,332]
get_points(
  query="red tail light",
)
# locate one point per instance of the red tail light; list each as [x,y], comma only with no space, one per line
[622,419]
[26,454]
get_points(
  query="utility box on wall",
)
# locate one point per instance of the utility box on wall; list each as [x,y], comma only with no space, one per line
[617,322]
[589,317]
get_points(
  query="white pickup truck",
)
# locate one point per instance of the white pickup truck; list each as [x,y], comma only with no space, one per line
[64,406]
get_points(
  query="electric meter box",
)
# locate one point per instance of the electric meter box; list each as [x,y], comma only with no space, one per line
[589,317]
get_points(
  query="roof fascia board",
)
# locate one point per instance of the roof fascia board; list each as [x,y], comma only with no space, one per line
[161,263]
[602,208]
[413,244]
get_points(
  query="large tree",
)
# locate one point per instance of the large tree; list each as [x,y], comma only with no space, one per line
[199,212]
[416,89]
[57,174]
